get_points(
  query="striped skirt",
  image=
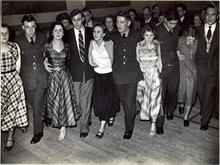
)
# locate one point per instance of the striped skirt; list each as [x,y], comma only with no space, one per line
[61,104]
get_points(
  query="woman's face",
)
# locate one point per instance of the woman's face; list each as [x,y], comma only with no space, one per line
[65,23]
[148,36]
[5,34]
[132,15]
[197,21]
[58,32]
[98,33]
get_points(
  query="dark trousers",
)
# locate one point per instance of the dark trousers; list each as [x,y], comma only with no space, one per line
[127,94]
[207,93]
[170,84]
[36,98]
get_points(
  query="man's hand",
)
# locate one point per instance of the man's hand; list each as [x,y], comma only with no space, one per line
[47,65]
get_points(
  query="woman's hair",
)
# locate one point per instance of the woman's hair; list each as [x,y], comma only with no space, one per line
[191,31]
[106,38]
[148,28]
[50,38]
[63,16]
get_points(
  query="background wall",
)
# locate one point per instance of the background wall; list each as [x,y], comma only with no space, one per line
[47,17]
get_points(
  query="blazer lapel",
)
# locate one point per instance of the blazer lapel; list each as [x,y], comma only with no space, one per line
[214,41]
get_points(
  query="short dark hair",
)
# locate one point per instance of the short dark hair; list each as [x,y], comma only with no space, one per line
[86,9]
[63,16]
[50,38]
[191,31]
[148,28]
[74,12]
[171,14]
[183,6]
[212,6]
[155,5]
[147,7]
[28,18]
[123,14]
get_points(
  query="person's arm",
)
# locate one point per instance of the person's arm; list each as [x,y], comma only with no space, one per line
[91,61]
[159,62]
[18,62]
[47,65]
[179,53]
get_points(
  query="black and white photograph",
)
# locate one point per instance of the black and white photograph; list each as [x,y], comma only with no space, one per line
[87,82]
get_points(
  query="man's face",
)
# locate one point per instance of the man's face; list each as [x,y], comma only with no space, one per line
[109,23]
[65,23]
[29,28]
[180,11]
[147,13]
[122,24]
[211,16]
[87,16]
[78,21]
[171,24]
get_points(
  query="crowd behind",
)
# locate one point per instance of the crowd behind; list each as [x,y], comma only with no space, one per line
[147,65]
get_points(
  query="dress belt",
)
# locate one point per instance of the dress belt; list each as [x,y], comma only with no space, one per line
[10,71]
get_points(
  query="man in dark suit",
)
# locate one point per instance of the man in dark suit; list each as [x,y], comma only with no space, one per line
[33,73]
[80,69]
[148,18]
[168,33]
[185,20]
[126,70]
[207,60]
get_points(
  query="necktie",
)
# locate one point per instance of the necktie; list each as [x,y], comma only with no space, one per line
[32,41]
[170,31]
[124,36]
[209,33]
[81,47]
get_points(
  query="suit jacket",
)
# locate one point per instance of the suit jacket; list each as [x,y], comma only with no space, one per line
[208,63]
[168,45]
[152,22]
[187,21]
[76,66]
[32,72]
[126,70]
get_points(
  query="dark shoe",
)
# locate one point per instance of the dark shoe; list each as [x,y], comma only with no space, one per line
[159,130]
[204,127]
[99,135]
[111,122]
[186,123]
[181,110]
[47,122]
[24,129]
[169,116]
[127,135]
[9,148]
[83,135]
[37,138]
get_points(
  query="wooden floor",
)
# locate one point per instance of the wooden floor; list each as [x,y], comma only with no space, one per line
[179,145]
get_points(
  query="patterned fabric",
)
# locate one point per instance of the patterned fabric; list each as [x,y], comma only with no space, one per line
[81,47]
[188,73]
[149,90]
[13,106]
[61,104]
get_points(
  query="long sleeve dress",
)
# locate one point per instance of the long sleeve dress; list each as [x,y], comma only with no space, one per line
[188,72]
[61,104]
[149,90]
[13,106]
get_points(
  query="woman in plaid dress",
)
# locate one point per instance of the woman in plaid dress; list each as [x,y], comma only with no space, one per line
[13,107]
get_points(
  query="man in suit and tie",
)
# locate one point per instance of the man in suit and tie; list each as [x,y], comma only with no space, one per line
[33,73]
[148,18]
[167,34]
[82,73]
[207,60]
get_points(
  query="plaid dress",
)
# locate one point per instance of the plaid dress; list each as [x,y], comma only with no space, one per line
[13,106]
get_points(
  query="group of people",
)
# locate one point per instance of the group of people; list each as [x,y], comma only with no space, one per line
[81,65]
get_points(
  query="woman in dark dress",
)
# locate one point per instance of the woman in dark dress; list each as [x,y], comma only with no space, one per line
[61,103]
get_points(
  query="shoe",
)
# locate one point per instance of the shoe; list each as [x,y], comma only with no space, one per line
[111,122]
[99,135]
[159,130]
[204,127]
[90,123]
[83,135]
[169,116]
[37,138]
[24,129]
[181,110]
[127,135]
[47,122]
[9,148]
[186,123]
[62,134]
[153,129]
